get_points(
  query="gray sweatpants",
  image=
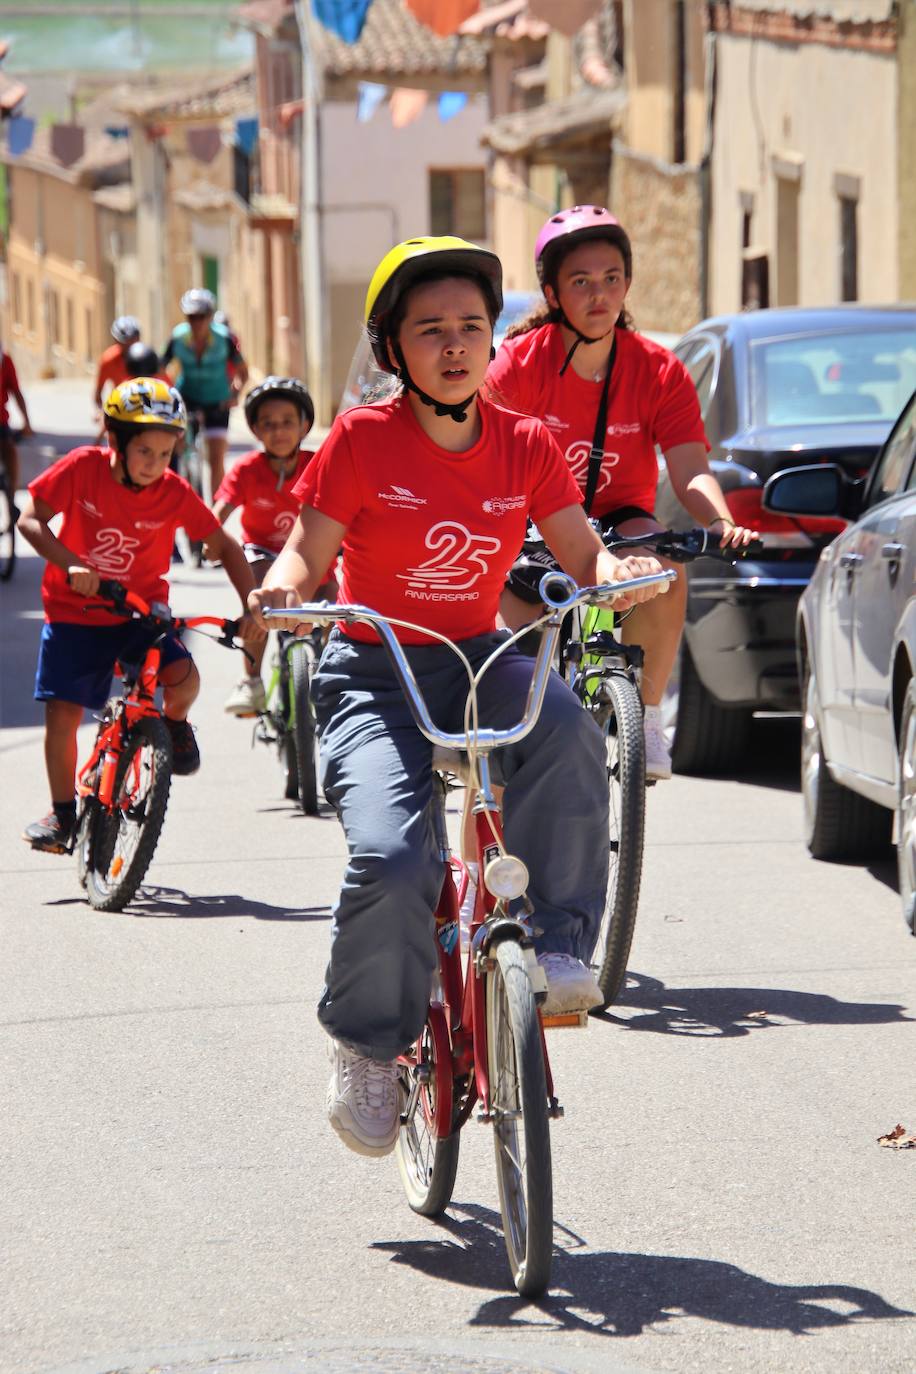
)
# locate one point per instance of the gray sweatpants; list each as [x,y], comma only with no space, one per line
[376,771]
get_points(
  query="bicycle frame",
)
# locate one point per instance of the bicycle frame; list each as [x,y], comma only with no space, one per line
[138,702]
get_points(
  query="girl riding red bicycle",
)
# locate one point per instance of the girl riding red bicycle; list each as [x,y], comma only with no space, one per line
[428,494]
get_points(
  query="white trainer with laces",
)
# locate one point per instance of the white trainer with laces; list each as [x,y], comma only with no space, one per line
[571,985]
[363,1104]
[247,698]
[658,755]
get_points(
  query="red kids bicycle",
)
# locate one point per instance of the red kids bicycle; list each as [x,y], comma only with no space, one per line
[123,788]
[483,1041]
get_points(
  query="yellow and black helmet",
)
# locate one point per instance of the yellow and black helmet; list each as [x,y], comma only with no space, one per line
[146,401]
[415,258]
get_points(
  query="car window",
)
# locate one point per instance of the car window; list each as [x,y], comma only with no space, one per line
[701,358]
[896,458]
[820,378]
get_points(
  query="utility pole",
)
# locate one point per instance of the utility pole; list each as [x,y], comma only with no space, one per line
[311,237]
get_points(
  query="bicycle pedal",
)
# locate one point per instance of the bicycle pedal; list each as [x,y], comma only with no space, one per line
[564,1018]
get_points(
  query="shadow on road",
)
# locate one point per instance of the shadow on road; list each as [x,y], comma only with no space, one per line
[646,1004]
[172,901]
[772,755]
[624,1294]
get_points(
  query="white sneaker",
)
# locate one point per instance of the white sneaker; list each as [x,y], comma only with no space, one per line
[363,1102]
[247,698]
[658,756]
[571,985]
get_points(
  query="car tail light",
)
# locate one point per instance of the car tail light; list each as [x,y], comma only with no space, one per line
[778,531]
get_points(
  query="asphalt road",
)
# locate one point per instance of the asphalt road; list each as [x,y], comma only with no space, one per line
[173,1197]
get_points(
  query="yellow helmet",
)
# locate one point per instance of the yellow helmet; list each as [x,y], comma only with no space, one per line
[418,257]
[146,401]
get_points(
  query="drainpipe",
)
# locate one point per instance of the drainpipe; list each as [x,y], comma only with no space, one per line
[706,205]
[314,280]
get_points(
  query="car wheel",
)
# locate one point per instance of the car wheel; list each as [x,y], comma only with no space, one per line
[840,825]
[707,737]
[906,810]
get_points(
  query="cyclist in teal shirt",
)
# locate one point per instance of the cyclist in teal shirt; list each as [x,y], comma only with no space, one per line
[197,357]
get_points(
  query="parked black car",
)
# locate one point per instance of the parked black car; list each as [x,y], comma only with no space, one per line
[778,388]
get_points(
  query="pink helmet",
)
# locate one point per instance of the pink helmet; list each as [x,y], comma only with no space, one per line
[568,228]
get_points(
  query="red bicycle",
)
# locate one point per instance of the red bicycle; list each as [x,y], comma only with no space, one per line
[123,788]
[483,1041]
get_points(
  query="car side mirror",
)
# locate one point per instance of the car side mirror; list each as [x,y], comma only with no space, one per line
[816,489]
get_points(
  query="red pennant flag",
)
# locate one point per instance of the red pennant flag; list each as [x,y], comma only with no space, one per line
[443,16]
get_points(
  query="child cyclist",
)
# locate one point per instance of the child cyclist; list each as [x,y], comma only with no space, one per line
[578,365]
[121,507]
[280,414]
[428,493]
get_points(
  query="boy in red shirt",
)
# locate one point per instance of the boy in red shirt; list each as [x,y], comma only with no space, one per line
[121,508]
[280,414]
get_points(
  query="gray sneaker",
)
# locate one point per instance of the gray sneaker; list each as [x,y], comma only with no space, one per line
[658,756]
[571,985]
[247,698]
[363,1105]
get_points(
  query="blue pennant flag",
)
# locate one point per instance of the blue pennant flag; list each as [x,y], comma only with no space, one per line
[19,134]
[450,104]
[343,17]
[370,96]
[246,134]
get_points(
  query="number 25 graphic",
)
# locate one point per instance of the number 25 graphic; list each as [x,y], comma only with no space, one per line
[458,558]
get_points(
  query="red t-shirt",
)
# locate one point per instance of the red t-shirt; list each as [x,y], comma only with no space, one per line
[267,515]
[651,401]
[112,368]
[8,382]
[431,534]
[127,535]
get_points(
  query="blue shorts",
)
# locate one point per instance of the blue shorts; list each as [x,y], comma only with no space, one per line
[76,662]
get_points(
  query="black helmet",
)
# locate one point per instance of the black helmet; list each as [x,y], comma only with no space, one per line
[283,389]
[141,360]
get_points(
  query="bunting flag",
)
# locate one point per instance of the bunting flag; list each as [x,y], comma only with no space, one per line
[450,104]
[117,130]
[204,144]
[19,134]
[369,96]
[407,105]
[68,143]
[444,17]
[343,17]
[566,16]
[246,134]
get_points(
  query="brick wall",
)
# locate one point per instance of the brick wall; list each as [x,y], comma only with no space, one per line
[659,205]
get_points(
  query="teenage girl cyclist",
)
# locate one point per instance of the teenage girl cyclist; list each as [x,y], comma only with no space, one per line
[558,365]
[429,493]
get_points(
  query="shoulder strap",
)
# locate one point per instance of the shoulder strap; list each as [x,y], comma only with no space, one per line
[596,456]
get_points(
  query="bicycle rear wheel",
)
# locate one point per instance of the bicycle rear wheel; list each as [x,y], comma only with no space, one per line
[7,532]
[304,728]
[521,1126]
[620,712]
[427,1157]
[120,843]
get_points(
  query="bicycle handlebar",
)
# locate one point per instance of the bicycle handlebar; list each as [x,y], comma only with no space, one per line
[127,602]
[681,546]
[484,739]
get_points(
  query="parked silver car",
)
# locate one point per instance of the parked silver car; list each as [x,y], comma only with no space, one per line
[856,635]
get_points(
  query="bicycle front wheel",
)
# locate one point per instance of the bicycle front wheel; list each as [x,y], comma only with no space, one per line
[304,729]
[7,534]
[120,843]
[621,709]
[427,1156]
[521,1125]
